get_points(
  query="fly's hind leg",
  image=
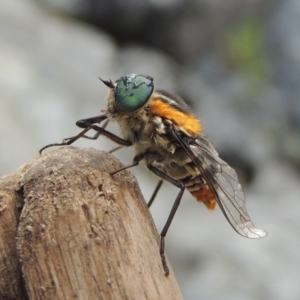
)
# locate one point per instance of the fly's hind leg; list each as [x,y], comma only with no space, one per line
[175,182]
[163,234]
[157,188]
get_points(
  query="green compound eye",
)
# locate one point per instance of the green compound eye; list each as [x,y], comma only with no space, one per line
[132,92]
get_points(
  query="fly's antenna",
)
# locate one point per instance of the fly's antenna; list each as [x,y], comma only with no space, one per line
[108,83]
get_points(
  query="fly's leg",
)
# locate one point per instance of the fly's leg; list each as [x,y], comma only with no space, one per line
[181,186]
[111,136]
[102,131]
[67,141]
[72,139]
[175,182]
[115,149]
[157,188]
[135,162]
[89,124]
[95,136]
[84,123]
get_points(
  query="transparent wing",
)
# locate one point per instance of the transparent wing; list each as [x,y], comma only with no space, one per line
[231,199]
[223,182]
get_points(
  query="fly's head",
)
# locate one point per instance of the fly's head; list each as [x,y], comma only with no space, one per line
[128,95]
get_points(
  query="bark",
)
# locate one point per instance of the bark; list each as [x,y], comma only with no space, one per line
[81,233]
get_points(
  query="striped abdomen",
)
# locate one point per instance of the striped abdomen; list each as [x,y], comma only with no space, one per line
[199,189]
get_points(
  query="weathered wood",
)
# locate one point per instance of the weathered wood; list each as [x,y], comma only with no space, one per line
[82,234]
[11,202]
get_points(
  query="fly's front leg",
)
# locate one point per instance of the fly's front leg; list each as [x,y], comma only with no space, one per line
[111,136]
[95,136]
[163,234]
[67,141]
[84,123]
[87,124]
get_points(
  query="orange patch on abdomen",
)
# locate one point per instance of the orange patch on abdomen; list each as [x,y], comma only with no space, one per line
[187,122]
[206,196]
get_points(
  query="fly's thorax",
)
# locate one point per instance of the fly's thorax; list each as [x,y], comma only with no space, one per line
[135,126]
[141,127]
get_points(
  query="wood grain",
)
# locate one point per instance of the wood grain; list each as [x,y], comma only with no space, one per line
[82,233]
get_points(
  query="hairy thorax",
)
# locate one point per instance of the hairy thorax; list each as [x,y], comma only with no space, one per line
[148,135]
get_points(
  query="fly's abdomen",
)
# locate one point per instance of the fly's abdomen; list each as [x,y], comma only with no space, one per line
[199,189]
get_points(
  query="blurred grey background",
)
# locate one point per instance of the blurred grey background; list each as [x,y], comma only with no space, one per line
[237,63]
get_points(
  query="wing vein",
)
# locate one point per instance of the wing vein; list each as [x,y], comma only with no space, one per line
[221,180]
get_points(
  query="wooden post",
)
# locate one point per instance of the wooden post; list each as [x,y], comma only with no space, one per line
[82,234]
